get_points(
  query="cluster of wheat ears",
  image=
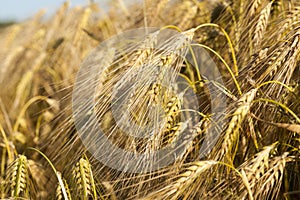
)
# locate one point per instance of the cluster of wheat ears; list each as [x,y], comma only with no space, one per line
[255,45]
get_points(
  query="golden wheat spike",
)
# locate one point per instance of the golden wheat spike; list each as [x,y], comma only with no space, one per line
[188,175]
[261,25]
[254,7]
[232,131]
[271,179]
[84,180]
[18,177]
[34,62]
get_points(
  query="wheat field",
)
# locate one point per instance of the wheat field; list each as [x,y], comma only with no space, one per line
[255,46]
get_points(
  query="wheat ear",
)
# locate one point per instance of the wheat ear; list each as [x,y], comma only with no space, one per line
[232,130]
[187,177]
[59,192]
[269,184]
[254,6]
[84,180]
[261,25]
[18,177]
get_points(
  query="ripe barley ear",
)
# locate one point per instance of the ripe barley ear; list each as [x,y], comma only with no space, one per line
[231,136]
[83,180]
[17,178]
